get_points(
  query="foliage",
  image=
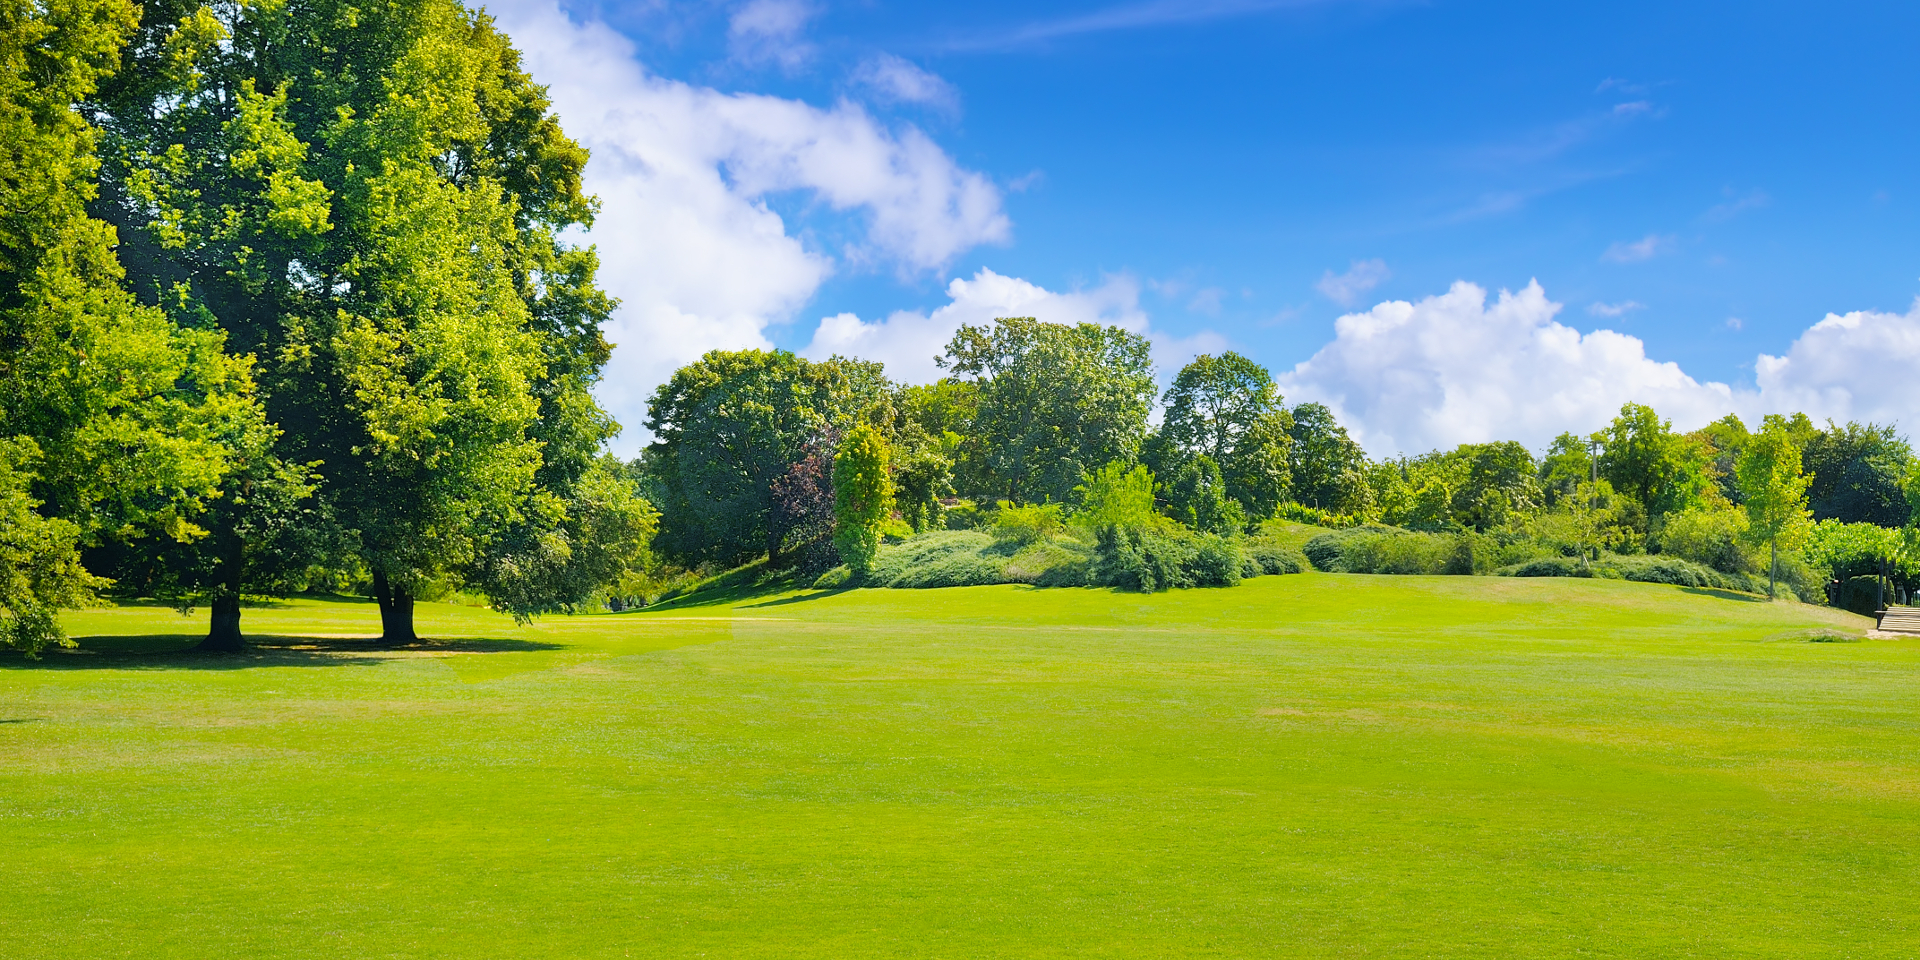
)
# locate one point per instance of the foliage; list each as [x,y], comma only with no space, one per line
[1327,468]
[1567,464]
[1390,550]
[968,515]
[1268,559]
[40,569]
[1643,458]
[862,495]
[1023,525]
[1197,497]
[1055,402]
[943,558]
[1856,474]
[1150,560]
[730,425]
[1227,409]
[1715,536]
[920,480]
[1586,520]
[1117,494]
[1773,488]
[1480,486]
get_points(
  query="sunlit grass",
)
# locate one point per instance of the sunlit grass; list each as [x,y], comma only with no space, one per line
[1312,765]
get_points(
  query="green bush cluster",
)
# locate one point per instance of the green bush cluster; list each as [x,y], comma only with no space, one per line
[1149,559]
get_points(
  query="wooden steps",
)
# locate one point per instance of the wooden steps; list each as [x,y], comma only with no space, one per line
[1900,620]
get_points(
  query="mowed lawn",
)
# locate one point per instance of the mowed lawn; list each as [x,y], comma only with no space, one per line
[1302,766]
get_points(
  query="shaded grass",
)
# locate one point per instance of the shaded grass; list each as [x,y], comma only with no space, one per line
[1323,765]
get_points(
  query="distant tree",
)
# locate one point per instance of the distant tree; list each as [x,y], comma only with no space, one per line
[1227,408]
[1197,498]
[862,495]
[1773,489]
[1567,464]
[920,480]
[1725,437]
[1327,468]
[1585,519]
[1055,402]
[1857,471]
[726,427]
[1643,458]
[1118,494]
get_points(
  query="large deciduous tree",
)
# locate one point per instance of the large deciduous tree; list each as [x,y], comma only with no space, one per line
[115,424]
[370,199]
[1327,467]
[728,427]
[1055,403]
[1228,409]
[1857,470]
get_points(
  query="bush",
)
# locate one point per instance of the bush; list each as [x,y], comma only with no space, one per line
[1548,567]
[1861,595]
[1029,524]
[942,558]
[1049,564]
[1269,559]
[1711,537]
[967,515]
[1151,559]
[1390,550]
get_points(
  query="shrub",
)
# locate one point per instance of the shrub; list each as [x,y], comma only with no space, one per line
[1027,524]
[1117,495]
[1215,562]
[1268,559]
[1049,564]
[1548,567]
[1712,537]
[1390,550]
[1137,558]
[967,515]
[1861,595]
[942,558]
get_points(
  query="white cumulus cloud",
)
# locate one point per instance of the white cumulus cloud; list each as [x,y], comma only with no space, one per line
[771,31]
[686,237]
[907,341]
[1456,368]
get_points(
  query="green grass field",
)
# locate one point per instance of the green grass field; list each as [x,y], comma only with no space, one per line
[1317,765]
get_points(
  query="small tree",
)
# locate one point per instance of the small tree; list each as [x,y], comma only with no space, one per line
[1774,490]
[1198,498]
[1118,495]
[862,496]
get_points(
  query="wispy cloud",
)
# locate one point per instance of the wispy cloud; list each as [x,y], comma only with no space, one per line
[1549,142]
[1636,251]
[771,31]
[1347,288]
[1126,16]
[1735,206]
[892,79]
[1620,309]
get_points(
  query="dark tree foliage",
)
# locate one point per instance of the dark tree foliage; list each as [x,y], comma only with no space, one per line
[920,480]
[1724,439]
[1197,497]
[727,426]
[1055,404]
[1567,464]
[1661,470]
[1227,408]
[804,509]
[1857,471]
[1328,468]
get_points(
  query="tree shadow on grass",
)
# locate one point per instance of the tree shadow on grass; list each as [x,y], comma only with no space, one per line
[176,652]
[800,598]
[1723,594]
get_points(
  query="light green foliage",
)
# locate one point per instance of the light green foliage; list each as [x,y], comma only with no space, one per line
[1482,486]
[1024,524]
[1712,535]
[1773,488]
[1587,519]
[862,495]
[1844,551]
[1567,464]
[1227,408]
[1328,470]
[1643,458]
[370,200]
[115,424]
[1118,494]
[1725,438]
[1054,403]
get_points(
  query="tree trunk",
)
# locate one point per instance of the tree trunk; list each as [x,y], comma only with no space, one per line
[223,630]
[396,612]
[223,634]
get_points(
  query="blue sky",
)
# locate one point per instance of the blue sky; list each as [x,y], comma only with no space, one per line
[1708,178]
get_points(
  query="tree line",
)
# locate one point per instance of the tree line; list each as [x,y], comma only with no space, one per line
[749,444]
